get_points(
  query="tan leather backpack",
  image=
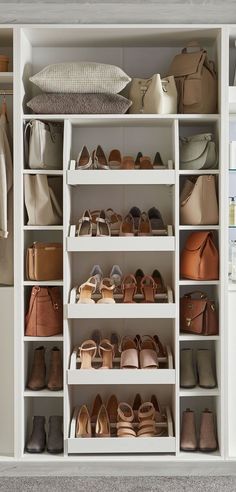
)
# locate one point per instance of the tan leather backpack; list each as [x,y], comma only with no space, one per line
[196,81]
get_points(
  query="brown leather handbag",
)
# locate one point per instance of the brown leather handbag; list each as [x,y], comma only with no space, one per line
[200,259]
[45,314]
[198,315]
[44,261]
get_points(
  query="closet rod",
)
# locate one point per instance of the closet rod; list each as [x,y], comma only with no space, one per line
[6,92]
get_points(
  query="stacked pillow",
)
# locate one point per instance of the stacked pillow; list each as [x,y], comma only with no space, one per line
[80,88]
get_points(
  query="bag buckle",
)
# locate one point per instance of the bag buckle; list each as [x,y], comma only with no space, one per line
[188,321]
[55,305]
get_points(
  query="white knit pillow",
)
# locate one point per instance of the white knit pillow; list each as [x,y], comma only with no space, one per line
[81,77]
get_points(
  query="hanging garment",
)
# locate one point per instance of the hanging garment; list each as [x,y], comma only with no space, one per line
[6,205]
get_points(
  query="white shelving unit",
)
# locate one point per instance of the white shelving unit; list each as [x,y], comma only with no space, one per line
[138,50]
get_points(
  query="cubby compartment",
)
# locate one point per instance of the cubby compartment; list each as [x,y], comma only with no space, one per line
[162,444]
[212,346]
[136,49]
[47,138]
[30,347]
[208,125]
[198,404]
[45,407]
[201,194]
[184,234]
[43,200]
[44,236]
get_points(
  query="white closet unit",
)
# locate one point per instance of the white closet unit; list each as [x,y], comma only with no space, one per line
[140,51]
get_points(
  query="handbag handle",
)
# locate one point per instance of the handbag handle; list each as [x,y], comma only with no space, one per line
[192,44]
[26,143]
[189,295]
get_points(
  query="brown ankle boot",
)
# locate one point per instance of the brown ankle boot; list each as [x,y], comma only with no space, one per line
[55,380]
[37,379]
[207,439]
[188,439]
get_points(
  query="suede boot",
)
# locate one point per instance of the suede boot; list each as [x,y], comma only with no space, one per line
[188,438]
[37,379]
[207,438]
[55,380]
[187,374]
[37,440]
[205,370]
[55,435]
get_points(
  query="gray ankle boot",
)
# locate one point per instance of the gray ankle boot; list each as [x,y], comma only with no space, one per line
[187,374]
[37,440]
[205,370]
[55,435]
[188,438]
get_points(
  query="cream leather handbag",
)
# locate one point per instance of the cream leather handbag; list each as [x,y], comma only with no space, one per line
[198,152]
[42,205]
[153,96]
[45,146]
[198,202]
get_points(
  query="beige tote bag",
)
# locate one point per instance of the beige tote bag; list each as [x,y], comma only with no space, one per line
[198,202]
[153,96]
[43,196]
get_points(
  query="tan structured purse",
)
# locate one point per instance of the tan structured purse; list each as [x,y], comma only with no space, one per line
[200,259]
[198,314]
[198,202]
[153,96]
[45,314]
[44,261]
[43,196]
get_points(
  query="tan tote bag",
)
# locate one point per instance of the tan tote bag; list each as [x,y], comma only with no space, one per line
[198,202]
[42,205]
[153,96]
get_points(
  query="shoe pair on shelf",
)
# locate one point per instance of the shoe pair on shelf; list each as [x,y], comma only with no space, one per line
[204,369]
[37,440]
[128,289]
[141,287]
[37,379]
[102,223]
[97,160]
[207,441]
[134,353]
[120,419]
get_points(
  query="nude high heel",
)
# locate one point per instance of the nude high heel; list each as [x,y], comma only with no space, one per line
[96,407]
[129,354]
[148,354]
[88,351]
[102,428]
[129,287]
[125,425]
[107,289]
[148,288]
[85,225]
[83,423]
[86,290]
[146,417]
[106,352]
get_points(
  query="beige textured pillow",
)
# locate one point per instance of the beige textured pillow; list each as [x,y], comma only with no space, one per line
[81,77]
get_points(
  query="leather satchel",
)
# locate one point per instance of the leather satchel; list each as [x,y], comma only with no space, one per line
[45,314]
[198,315]
[44,261]
[44,149]
[43,196]
[195,79]
[200,259]
[198,152]
[198,202]
[153,96]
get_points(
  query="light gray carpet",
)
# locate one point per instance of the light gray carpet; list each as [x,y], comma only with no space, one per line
[118,484]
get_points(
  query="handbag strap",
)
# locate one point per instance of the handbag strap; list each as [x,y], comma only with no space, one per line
[27,132]
[54,201]
[35,291]
[189,295]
